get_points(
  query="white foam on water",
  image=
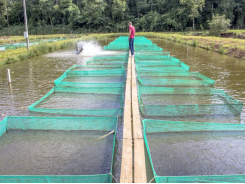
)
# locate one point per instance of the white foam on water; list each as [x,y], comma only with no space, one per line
[91,49]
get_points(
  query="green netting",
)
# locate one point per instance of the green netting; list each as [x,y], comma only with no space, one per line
[64,124]
[162,64]
[163,101]
[94,67]
[140,44]
[100,58]
[164,68]
[170,59]
[20,45]
[108,62]
[86,101]
[177,79]
[157,126]
[147,56]
[99,78]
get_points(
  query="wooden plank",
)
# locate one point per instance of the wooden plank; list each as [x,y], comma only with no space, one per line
[139,151]
[137,132]
[139,162]
[127,147]
[129,70]
[127,162]
[127,123]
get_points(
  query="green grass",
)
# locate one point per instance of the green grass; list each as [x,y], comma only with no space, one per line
[15,55]
[229,46]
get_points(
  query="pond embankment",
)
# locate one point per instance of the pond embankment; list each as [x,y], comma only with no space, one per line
[228,46]
[14,55]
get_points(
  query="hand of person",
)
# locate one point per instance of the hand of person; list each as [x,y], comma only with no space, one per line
[128,38]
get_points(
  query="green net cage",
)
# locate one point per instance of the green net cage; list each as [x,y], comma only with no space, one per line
[164,101]
[152,60]
[12,127]
[93,78]
[112,57]
[85,101]
[175,79]
[108,62]
[173,138]
[94,67]
[163,68]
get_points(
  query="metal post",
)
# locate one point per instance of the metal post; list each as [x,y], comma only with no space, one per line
[8,76]
[187,48]
[26,28]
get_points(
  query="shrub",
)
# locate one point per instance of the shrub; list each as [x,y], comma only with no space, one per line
[222,50]
[218,24]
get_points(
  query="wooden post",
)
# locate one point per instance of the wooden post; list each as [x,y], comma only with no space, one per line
[8,76]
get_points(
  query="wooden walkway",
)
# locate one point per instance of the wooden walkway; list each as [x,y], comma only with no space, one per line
[133,167]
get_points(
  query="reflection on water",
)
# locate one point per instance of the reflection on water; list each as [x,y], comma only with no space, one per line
[36,152]
[197,153]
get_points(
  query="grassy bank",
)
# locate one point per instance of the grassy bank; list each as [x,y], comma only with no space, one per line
[15,55]
[20,39]
[229,46]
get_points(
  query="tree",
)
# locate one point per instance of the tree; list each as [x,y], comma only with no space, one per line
[195,6]
[118,9]
[47,8]
[218,24]
[3,13]
[93,12]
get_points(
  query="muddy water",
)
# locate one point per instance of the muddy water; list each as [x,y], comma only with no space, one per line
[228,72]
[197,153]
[55,152]
[33,78]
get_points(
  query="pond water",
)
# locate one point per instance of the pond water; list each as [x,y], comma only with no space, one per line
[33,78]
[38,152]
[228,72]
[197,153]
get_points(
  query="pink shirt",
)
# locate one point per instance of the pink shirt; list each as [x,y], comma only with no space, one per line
[132,31]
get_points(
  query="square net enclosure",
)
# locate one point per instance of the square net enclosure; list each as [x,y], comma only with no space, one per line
[94,78]
[189,152]
[86,101]
[57,149]
[107,62]
[94,67]
[165,101]
[167,68]
[174,79]
[169,60]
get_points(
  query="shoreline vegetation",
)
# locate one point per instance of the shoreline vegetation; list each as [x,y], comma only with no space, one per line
[14,55]
[228,46]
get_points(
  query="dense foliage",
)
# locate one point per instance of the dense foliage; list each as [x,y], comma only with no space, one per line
[81,16]
[218,24]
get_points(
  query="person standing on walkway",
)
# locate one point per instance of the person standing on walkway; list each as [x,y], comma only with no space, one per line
[131,38]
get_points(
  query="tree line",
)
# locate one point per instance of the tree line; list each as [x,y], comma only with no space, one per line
[84,16]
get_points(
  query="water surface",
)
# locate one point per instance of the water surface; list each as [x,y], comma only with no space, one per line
[39,152]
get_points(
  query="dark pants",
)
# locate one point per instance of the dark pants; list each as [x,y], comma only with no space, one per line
[131,45]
